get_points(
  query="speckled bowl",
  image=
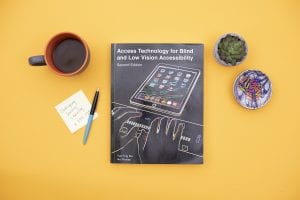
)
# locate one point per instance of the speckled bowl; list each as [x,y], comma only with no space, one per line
[252,89]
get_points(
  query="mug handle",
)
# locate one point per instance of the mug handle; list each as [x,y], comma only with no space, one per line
[37,60]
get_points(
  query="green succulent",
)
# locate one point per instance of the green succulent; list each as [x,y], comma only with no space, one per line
[232,49]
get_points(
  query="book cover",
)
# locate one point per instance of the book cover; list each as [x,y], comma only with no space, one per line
[157,103]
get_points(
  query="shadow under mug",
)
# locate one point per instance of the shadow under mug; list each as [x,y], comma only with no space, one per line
[66,54]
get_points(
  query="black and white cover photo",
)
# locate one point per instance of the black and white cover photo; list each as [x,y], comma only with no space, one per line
[157,103]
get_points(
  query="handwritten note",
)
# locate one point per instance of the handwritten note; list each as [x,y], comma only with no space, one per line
[75,111]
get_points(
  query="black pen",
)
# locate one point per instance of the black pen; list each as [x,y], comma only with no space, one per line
[90,120]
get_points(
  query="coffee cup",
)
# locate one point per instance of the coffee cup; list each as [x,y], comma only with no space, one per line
[66,54]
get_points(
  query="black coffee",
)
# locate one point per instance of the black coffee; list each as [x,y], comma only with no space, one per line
[69,55]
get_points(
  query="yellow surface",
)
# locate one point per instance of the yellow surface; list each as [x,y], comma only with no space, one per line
[248,154]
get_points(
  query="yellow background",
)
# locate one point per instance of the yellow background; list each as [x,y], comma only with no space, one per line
[248,154]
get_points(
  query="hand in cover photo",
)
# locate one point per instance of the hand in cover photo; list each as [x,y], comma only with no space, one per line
[147,138]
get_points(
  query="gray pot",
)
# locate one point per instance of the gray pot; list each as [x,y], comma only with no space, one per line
[216,50]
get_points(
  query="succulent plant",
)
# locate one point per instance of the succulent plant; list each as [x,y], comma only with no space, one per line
[232,49]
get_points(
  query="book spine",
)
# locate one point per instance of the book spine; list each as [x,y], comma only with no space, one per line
[113,47]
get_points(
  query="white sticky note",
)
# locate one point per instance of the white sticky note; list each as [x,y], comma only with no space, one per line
[75,111]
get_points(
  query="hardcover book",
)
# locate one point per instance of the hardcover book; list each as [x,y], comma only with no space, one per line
[157,103]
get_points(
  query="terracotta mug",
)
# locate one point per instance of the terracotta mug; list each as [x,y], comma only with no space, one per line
[66,54]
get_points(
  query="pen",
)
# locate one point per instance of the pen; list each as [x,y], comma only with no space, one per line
[91,116]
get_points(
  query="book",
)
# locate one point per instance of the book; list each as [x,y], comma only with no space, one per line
[157,103]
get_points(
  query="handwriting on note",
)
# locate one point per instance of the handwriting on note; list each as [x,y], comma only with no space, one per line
[75,111]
